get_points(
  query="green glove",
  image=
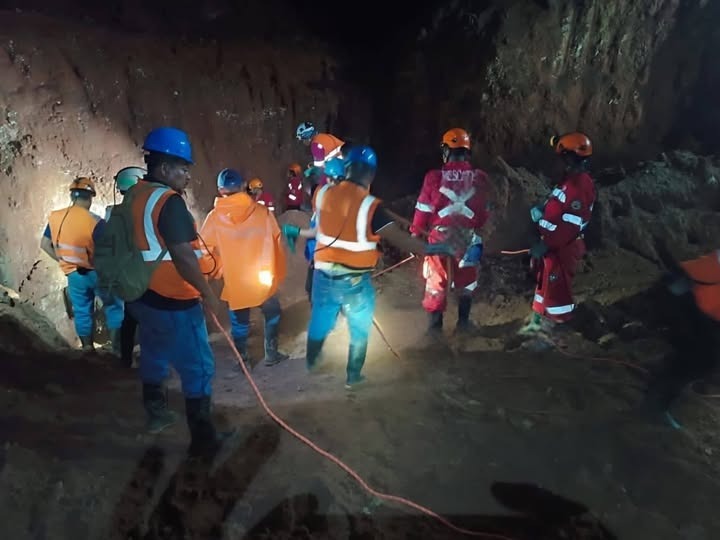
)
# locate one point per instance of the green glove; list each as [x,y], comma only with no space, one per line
[311,171]
[539,250]
[291,233]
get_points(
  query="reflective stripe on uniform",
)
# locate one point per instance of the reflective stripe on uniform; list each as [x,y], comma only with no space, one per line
[422,207]
[154,248]
[457,203]
[539,299]
[560,310]
[559,194]
[331,154]
[545,224]
[472,286]
[575,220]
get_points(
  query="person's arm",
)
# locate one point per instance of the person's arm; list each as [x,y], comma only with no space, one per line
[424,207]
[385,227]
[177,228]
[46,244]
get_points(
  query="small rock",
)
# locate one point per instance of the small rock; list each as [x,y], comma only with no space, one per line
[708,451]
[527,424]
[501,412]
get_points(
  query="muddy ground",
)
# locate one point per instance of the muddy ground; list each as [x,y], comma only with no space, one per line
[439,425]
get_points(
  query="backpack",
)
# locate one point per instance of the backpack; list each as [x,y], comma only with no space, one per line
[119,263]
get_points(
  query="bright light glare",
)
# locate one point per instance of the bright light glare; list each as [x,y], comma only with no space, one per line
[265,277]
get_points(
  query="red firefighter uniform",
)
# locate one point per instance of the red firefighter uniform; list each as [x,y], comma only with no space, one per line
[266,200]
[705,275]
[452,200]
[294,197]
[565,215]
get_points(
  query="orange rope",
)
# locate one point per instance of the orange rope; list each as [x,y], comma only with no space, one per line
[327,455]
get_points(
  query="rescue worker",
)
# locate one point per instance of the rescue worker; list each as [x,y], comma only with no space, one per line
[350,223]
[124,180]
[696,284]
[244,239]
[323,147]
[170,317]
[335,171]
[68,239]
[255,189]
[452,207]
[561,221]
[294,198]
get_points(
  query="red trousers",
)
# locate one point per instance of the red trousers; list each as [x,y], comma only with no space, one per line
[435,272]
[555,273]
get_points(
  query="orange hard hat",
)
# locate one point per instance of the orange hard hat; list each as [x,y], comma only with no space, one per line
[83,184]
[255,183]
[296,169]
[576,142]
[456,138]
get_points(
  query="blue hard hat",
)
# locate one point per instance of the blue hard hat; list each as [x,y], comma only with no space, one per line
[169,141]
[229,178]
[335,168]
[362,155]
[305,131]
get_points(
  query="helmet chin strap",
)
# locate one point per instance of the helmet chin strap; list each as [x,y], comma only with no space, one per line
[445,153]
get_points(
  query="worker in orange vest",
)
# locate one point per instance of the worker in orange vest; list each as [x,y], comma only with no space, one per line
[68,239]
[696,283]
[349,224]
[245,240]
[323,147]
[170,317]
[256,190]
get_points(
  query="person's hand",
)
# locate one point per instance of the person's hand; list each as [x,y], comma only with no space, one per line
[291,233]
[539,250]
[536,214]
[472,255]
[439,249]
[311,171]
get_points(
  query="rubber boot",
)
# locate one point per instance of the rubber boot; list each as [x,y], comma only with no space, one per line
[435,324]
[534,326]
[86,342]
[241,346]
[272,355]
[464,325]
[115,341]
[312,354]
[205,440]
[356,361]
[159,416]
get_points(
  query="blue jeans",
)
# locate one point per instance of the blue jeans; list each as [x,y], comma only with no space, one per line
[354,295]
[178,338]
[82,290]
[240,318]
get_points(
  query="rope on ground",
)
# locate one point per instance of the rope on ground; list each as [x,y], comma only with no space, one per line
[327,455]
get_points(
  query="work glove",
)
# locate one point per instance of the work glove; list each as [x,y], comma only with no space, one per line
[291,233]
[539,250]
[679,285]
[312,171]
[472,256]
[536,213]
[439,249]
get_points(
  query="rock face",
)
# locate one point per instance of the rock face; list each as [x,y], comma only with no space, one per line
[633,74]
[77,101]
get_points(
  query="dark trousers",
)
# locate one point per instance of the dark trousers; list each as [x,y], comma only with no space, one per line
[309,280]
[696,354]
[127,337]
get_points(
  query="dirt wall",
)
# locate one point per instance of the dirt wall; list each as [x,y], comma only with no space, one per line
[78,101]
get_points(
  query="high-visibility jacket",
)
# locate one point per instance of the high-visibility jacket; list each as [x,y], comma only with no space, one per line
[323,147]
[266,200]
[454,196]
[71,231]
[567,211]
[245,239]
[166,281]
[344,232]
[705,273]
[295,195]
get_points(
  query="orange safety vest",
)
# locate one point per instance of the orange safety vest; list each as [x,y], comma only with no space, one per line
[324,147]
[344,234]
[71,232]
[705,272]
[166,281]
[245,239]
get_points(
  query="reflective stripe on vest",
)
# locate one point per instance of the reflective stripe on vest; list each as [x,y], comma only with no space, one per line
[80,256]
[575,220]
[361,226]
[559,194]
[545,224]
[457,203]
[422,207]
[154,248]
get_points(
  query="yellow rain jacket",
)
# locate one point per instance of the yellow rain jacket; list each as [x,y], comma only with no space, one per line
[245,239]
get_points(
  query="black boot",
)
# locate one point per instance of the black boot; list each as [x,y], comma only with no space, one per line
[159,416]
[435,325]
[464,324]
[272,355]
[86,342]
[356,361]
[312,353]
[116,341]
[205,440]
[241,346]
